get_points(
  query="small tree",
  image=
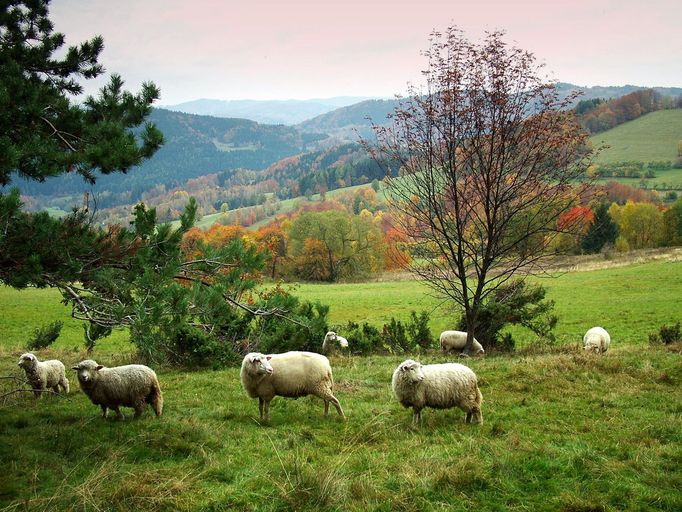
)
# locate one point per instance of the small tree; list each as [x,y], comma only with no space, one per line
[489,159]
[602,231]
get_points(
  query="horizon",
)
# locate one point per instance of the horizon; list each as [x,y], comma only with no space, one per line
[305,49]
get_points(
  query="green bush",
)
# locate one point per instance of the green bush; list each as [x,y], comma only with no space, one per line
[363,339]
[45,335]
[667,334]
[514,304]
[395,336]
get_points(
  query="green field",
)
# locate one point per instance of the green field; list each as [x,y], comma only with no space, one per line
[652,137]
[562,430]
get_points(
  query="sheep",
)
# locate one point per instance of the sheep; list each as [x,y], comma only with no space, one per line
[43,375]
[596,340]
[440,386]
[330,341]
[291,374]
[132,385]
[456,340]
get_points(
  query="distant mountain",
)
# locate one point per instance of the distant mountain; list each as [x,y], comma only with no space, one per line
[194,146]
[286,112]
[616,91]
[346,123]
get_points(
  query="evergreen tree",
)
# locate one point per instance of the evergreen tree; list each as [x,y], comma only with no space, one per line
[43,132]
[601,232]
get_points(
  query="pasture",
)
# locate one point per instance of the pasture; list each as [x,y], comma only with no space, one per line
[652,137]
[562,430]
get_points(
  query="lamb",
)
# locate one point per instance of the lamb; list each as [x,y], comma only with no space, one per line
[596,340]
[291,374]
[132,385]
[330,341]
[44,374]
[456,340]
[440,386]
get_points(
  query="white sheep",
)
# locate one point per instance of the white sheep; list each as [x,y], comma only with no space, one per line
[596,340]
[44,374]
[456,340]
[331,339]
[291,374]
[440,386]
[132,385]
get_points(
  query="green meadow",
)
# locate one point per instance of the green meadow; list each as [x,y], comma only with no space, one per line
[652,137]
[562,430]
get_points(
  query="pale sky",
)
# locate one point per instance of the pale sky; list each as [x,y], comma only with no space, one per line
[302,49]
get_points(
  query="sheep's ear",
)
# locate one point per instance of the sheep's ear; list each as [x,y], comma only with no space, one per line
[74,368]
[99,367]
[268,357]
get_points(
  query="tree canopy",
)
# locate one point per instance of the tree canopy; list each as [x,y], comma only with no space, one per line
[44,130]
[489,157]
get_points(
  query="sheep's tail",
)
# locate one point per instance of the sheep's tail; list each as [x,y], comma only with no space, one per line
[155,398]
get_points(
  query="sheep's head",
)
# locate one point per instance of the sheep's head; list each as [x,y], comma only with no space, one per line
[411,371]
[259,364]
[331,336]
[87,370]
[27,361]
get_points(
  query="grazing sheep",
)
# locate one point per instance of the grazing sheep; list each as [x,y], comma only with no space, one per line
[596,340]
[456,340]
[291,374]
[331,340]
[440,386]
[43,375]
[132,385]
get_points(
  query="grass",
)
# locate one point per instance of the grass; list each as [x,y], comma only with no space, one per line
[669,179]
[652,137]
[562,430]
[630,301]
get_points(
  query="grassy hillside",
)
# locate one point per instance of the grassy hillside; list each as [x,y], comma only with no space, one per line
[652,137]
[562,430]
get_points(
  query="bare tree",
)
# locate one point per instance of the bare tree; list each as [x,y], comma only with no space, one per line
[490,157]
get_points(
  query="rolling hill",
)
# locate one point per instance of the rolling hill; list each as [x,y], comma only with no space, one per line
[286,112]
[195,146]
[652,137]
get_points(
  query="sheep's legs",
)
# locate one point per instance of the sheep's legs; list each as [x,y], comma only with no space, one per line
[264,409]
[119,414]
[417,417]
[104,411]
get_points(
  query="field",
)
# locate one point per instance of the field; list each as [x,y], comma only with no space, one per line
[652,137]
[562,430]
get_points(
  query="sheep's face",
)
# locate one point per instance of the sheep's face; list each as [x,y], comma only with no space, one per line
[260,364]
[331,336]
[27,361]
[87,370]
[591,347]
[412,371]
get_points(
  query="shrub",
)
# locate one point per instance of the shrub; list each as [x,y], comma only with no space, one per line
[667,334]
[418,330]
[45,335]
[514,303]
[395,336]
[363,339]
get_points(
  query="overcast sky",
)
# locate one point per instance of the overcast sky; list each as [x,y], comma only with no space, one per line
[302,49]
